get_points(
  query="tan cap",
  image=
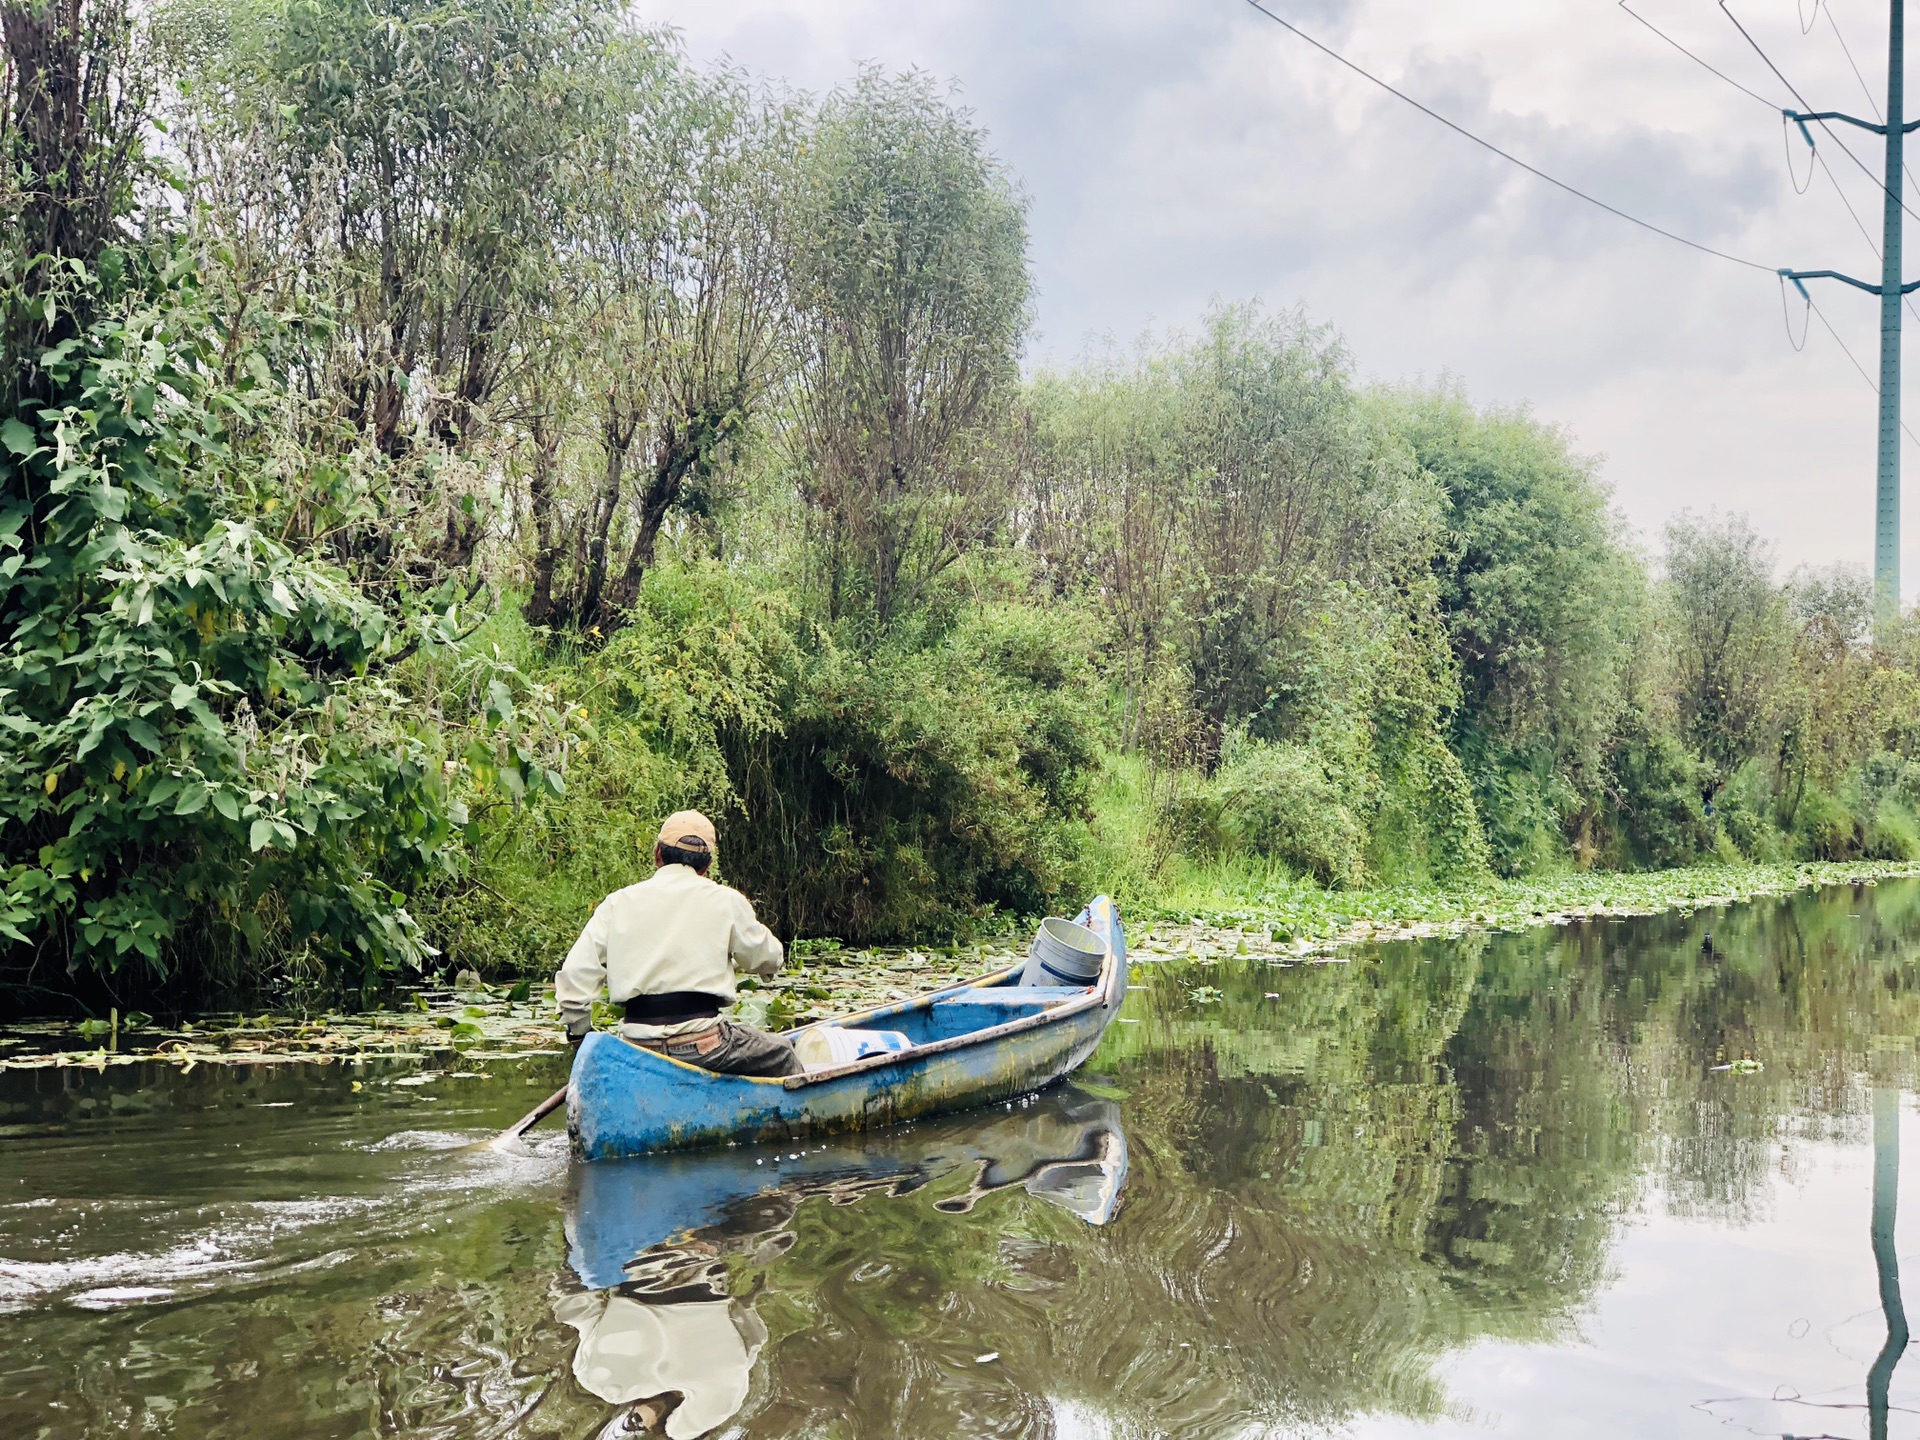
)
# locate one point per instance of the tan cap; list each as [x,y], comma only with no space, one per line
[689,830]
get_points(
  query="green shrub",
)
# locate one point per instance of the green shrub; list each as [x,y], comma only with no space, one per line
[1823,827]
[208,772]
[1878,792]
[924,784]
[1523,803]
[1744,810]
[1275,800]
[890,790]
[1893,834]
[1653,793]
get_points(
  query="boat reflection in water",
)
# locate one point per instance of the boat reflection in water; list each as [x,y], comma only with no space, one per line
[650,1240]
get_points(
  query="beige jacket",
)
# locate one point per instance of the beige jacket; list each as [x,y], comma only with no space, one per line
[676,930]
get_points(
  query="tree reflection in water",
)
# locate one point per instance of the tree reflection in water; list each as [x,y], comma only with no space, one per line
[1341,1183]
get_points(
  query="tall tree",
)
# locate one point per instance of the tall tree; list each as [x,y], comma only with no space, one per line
[416,167]
[73,99]
[907,266]
[1730,636]
[674,313]
[1541,596]
[196,766]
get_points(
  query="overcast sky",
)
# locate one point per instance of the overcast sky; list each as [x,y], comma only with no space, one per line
[1179,151]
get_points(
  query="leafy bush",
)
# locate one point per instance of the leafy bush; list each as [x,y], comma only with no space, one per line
[1371,696]
[1276,800]
[1824,828]
[1877,793]
[924,785]
[1539,595]
[1523,800]
[196,764]
[1894,833]
[1745,809]
[911,786]
[1653,794]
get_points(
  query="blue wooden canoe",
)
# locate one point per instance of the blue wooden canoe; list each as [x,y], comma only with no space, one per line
[989,1039]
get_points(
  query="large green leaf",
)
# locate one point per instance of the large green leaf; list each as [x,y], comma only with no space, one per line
[17,437]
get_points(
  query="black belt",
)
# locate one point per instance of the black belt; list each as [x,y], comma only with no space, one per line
[672,1008]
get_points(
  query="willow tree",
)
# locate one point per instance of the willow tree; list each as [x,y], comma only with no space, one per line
[673,315]
[907,267]
[1541,596]
[1730,635]
[1290,487]
[1226,481]
[413,167]
[1101,507]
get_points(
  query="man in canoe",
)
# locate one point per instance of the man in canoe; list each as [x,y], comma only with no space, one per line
[668,948]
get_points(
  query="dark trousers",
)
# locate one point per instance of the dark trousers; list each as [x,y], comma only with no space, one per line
[730,1049]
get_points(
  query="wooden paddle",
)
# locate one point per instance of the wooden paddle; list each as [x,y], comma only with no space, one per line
[533,1117]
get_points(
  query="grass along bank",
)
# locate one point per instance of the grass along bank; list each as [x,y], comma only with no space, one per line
[460,1030]
[1261,910]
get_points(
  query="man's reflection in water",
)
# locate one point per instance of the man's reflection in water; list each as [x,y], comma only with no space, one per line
[661,1335]
[634,1350]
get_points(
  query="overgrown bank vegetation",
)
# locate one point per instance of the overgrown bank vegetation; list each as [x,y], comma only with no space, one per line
[440,438]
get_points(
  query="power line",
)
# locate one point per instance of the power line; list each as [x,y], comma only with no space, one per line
[1698,61]
[1827,129]
[1504,155]
[1821,160]
[1847,51]
[1861,225]
[1488,145]
[1856,364]
[1872,104]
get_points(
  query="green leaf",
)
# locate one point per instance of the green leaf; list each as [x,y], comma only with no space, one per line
[193,799]
[260,834]
[520,992]
[227,803]
[17,437]
[500,701]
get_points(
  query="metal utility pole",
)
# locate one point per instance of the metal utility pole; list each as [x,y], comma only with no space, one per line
[1886,522]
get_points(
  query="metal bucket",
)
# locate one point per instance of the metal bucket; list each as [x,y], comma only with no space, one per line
[1064,954]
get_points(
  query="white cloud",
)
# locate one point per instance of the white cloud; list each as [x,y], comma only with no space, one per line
[1180,150]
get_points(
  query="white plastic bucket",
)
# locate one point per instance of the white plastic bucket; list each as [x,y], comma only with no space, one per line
[1064,954]
[824,1046]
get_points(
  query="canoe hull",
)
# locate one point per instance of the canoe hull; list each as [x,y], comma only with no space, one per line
[628,1101]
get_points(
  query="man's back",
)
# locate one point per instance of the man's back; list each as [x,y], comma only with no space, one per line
[678,930]
[667,950]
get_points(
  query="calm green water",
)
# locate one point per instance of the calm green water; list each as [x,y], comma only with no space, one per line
[1495,1186]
